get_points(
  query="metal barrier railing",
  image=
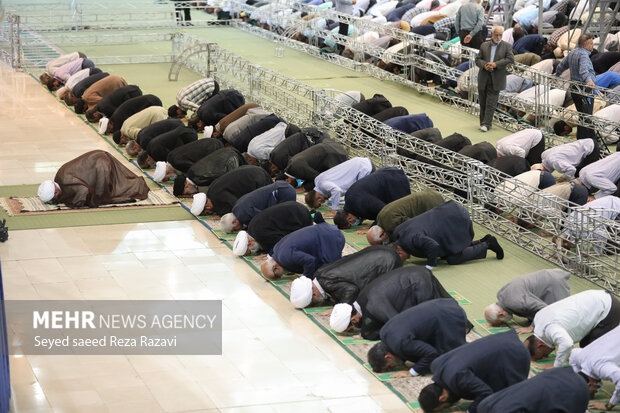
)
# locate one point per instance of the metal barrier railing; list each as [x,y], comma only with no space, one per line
[480,186]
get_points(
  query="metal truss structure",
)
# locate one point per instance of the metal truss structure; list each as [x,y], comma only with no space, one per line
[494,199]
[411,57]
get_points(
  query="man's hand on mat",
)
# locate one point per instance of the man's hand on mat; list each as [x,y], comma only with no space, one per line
[401,375]
[544,366]
[329,214]
[357,336]
[327,313]
[525,330]
[261,257]
[362,231]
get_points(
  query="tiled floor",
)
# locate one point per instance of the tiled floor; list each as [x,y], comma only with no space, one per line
[274,358]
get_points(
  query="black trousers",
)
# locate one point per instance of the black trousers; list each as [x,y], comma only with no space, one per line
[343,29]
[535,154]
[475,41]
[583,105]
[487,97]
[185,10]
[611,321]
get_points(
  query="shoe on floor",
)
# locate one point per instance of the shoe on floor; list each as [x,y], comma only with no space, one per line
[494,246]
[483,128]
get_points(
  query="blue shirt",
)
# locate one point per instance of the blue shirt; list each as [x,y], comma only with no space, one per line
[528,43]
[608,80]
[580,65]
[493,49]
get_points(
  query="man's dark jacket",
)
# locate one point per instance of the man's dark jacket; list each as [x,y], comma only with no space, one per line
[242,139]
[249,205]
[108,104]
[153,130]
[183,157]
[214,165]
[225,190]
[219,105]
[131,107]
[160,147]
[422,333]
[393,293]
[308,164]
[274,223]
[344,279]
[367,197]
[440,232]
[480,368]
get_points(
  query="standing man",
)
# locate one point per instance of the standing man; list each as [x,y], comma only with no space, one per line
[494,57]
[468,23]
[345,7]
[581,70]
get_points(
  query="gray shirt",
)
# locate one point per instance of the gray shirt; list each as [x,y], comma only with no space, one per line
[469,17]
[526,295]
[565,158]
[602,174]
[253,115]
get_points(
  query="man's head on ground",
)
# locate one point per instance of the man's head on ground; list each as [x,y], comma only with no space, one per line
[133,148]
[70,99]
[304,293]
[79,106]
[496,315]
[53,84]
[434,398]
[176,112]
[314,199]
[245,244]
[249,159]
[518,32]
[585,41]
[183,186]
[377,236]
[196,124]
[496,34]
[593,384]
[93,115]
[344,318]
[230,223]
[163,171]
[48,191]
[145,161]
[381,360]
[44,78]
[562,128]
[346,220]
[272,270]
[201,205]
[119,138]
[538,350]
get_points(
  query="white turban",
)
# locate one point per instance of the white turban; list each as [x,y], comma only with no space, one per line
[227,222]
[240,245]
[340,318]
[301,292]
[208,131]
[200,200]
[160,171]
[103,125]
[46,191]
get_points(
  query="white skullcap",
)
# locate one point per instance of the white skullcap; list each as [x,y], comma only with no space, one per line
[46,191]
[340,318]
[227,222]
[103,125]
[208,131]
[240,245]
[200,200]
[160,171]
[301,292]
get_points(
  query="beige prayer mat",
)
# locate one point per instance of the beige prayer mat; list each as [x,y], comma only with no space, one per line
[33,205]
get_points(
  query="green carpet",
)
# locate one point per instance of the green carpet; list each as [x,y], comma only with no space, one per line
[92,217]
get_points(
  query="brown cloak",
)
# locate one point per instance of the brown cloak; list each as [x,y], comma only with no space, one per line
[97,178]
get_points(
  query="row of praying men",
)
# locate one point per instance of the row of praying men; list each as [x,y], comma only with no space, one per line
[371,289]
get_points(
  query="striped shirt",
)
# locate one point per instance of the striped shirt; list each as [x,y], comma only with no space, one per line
[191,96]
[445,24]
